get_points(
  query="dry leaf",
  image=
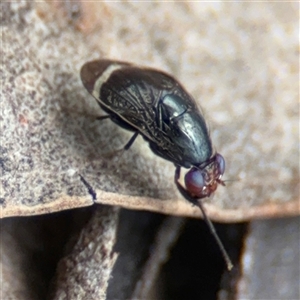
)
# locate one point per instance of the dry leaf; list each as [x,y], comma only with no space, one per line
[239,61]
[247,86]
[241,71]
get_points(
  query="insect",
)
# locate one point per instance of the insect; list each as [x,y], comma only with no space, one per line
[155,105]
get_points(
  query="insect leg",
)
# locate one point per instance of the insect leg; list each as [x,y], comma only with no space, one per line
[126,147]
[198,202]
[131,141]
[103,117]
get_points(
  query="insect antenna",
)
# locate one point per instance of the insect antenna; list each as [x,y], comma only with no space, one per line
[214,233]
[230,180]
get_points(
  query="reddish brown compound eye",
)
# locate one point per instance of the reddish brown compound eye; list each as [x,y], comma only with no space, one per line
[194,182]
[202,182]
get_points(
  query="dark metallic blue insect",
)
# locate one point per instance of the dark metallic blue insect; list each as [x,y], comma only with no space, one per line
[156,106]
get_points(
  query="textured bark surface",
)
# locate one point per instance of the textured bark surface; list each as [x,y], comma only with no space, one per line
[270,262]
[85,272]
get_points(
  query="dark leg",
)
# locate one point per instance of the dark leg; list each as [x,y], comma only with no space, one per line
[197,202]
[103,117]
[131,141]
[120,152]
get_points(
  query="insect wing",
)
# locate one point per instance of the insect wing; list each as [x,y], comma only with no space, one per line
[154,104]
[129,93]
